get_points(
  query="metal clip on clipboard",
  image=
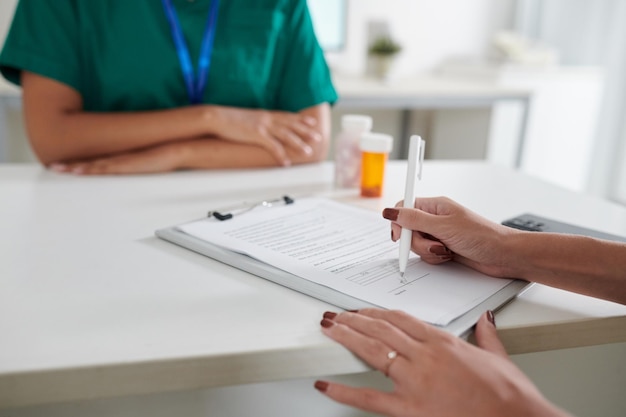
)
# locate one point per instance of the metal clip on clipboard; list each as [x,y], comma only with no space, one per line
[230,212]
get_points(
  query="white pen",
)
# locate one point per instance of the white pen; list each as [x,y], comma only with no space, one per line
[413,172]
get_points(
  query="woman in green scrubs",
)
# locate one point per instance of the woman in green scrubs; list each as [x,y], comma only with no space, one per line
[116,86]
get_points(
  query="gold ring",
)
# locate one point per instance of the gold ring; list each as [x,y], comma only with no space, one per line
[390,357]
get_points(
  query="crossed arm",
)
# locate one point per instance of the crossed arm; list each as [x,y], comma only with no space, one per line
[66,138]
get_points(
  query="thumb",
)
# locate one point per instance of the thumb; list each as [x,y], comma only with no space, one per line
[487,336]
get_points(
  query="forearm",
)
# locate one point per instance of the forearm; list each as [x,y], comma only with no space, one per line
[214,153]
[82,135]
[576,263]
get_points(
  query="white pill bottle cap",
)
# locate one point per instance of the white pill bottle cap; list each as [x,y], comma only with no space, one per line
[356,122]
[376,142]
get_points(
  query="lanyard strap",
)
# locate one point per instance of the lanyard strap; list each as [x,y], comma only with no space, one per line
[195,87]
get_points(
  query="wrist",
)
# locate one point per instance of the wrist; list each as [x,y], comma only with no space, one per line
[517,252]
[541,256]
[210,119]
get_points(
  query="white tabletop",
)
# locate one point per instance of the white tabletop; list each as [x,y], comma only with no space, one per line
[93,305]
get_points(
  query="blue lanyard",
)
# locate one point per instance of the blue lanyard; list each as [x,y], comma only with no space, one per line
[195,87]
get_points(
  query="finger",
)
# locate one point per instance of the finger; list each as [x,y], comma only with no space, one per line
[413,219]
[78,168]
[427,247]
[97,167]
[413,327]
[396,231]
[102,166]
[67,168]
[309,121]
[487,336]
[60,167]
[432,252]
[366,399]
[377,328]
[429,231]
[307,133]
[373,351]
[392,214]
[434,205]
[289,138]
[275,148]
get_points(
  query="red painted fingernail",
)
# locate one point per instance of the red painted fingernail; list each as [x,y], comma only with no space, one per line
[391,214]
[330,315]
[321,386]
[327,323]
[439,250]
[491,317]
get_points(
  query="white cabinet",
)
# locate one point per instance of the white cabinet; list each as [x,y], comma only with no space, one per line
[561,124]
[14,146]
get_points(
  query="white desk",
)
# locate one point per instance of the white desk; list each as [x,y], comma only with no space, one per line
[92,305]
[431,92]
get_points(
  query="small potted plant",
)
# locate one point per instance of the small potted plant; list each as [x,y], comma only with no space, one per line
[383,50]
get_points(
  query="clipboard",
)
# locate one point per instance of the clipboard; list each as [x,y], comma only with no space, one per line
[460,326]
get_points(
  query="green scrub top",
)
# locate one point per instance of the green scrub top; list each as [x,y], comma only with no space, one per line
[120,56]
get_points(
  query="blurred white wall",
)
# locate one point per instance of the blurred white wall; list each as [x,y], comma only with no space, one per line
[429,31]
[7,8]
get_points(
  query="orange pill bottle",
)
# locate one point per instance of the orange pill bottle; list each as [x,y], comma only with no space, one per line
[375,148]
